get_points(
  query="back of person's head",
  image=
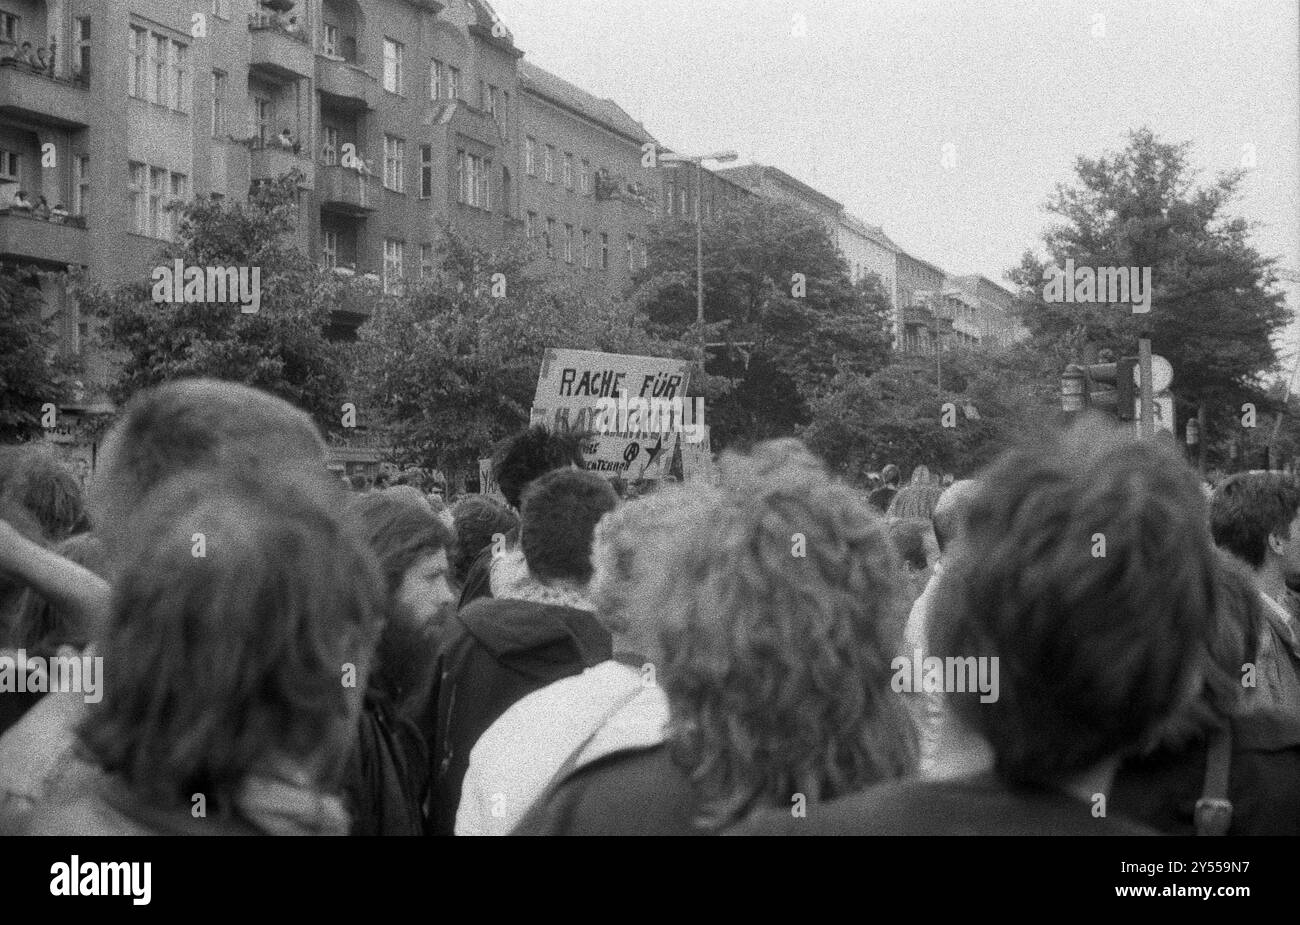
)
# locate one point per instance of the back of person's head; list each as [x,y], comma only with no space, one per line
[243,619]
[629,549]
[915,502]
[358,482]
[401,529]
[890,475]
[530,455]
[198,424]
[478,519]
[782,614]
[951,510]
[921,475]
[1087,570]
[38,481]
[908,539]
[1249,507]
[559,515]
[42,626]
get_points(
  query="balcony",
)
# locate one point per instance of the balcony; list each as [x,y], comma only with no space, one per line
[278,54]
[346,85]
[345,192]
[272,161]
[42,98]
[40,241]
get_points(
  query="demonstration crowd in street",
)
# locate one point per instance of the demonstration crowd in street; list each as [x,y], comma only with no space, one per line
[281,655]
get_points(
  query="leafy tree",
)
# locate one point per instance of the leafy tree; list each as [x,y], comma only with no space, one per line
[1214,309]
[777,292]
[989,399]
[30,372]
[282,348]
[450,368]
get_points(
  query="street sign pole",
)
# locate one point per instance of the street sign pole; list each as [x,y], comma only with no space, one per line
[1147,417]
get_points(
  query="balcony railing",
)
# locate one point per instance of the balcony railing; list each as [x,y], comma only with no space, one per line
[348,84]
[43,97]
[279,51]
[54,241]
[346,191]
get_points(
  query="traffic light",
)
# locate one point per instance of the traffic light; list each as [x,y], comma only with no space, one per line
[1107,387]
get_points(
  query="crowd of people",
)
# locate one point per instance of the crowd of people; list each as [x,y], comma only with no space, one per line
[287,653]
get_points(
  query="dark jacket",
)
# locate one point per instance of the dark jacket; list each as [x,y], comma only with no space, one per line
[642,792]
[386,780]
[1161,789]
[976,805]
[494,653]
[880,498]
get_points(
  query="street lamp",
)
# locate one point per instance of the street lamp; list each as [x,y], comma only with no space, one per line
[698,160]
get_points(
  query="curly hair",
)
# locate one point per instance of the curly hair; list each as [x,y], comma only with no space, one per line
[915,502]
[629,550]
[779,633]
[530,455]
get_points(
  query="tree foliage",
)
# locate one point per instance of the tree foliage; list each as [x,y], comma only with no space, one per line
[31,374]
[282,348]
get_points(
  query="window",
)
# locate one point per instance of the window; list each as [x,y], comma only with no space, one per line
[426,171]
[475,184]
[177,83]
[218,106]
[453,83]
[568,244]
[483,95]
[392,266]
[393,66]
[504,115]
[8,27]
[83,46]
[584,181]
[139,201]
[604,251]
[550,238]
[530,225]
[81,185]
[157,192]
[437,79]
[156,71]
[548,164]
[330,147]
[135,65]
[221,9]
[394,163]
[530,156]
[631,253]
[260,111]
[568,171]
[329,249]
[330,44]
[9,166]
[426,261]
[492,100]
[586,249]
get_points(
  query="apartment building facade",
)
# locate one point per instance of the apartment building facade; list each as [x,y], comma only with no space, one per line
[679,183]
[588,185]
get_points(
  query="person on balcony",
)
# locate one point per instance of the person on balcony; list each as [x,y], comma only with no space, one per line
[21,203]
[42,209]
[288,142]
[58,214]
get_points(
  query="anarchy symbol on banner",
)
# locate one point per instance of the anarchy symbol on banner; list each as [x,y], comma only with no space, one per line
[633,450]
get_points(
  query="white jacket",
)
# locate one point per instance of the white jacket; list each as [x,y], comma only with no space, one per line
[512,763]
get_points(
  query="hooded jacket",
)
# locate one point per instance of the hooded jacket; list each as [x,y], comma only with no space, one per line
[583,718]
[494,653]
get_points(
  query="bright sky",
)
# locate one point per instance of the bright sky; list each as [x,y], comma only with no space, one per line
[862,104]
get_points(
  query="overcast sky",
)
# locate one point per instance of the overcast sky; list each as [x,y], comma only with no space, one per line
[861,106]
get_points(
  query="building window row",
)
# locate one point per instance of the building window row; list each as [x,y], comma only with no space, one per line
[153,191]
[569,171]
[569,245]
[158,69]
